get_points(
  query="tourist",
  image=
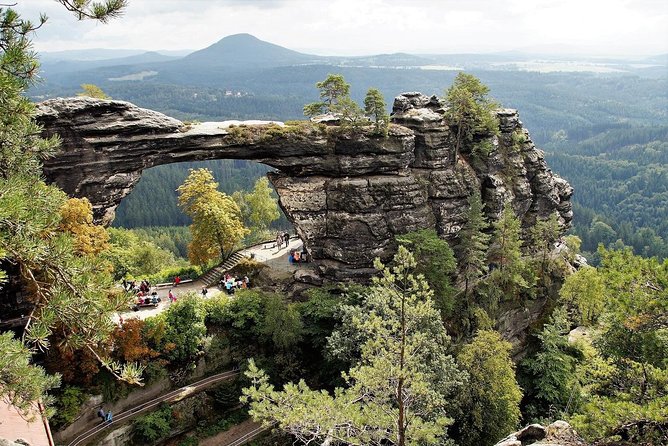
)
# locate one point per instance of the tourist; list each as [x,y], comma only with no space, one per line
[286,236]
[204,291]
[171,296]
[246,283]
[102,414]
[109,417]
[177,280]
[279,241]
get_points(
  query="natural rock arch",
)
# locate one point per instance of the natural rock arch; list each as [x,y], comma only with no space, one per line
[348,195]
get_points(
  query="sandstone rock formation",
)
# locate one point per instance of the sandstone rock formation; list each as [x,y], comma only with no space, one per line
[348,195]
[559,433]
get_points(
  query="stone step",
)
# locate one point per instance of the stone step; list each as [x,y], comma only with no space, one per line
[212,276]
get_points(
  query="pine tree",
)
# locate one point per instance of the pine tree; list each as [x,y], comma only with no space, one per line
[70,287]
[93,91]
[470,111]
[512,274]
[473,243]
[398,392]
[544,235]
[332,90]
[374,107]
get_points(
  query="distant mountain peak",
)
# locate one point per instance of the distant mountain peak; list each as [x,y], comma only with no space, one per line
[246,49]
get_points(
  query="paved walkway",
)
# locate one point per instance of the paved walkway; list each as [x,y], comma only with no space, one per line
[274,258]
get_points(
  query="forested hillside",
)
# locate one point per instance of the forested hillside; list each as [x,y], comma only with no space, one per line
[621,179]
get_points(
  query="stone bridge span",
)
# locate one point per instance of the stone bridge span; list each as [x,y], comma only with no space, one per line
[348,194]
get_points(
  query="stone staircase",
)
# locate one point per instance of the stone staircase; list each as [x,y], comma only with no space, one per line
[212,276]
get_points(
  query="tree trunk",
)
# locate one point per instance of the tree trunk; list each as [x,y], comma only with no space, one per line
[401,424]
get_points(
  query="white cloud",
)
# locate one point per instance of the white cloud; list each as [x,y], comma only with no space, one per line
[370,26]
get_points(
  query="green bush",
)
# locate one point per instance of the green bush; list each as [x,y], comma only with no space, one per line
[155,426]
[68,404]
[168,274]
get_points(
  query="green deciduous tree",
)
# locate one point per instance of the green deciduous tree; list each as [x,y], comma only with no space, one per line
[585,292]
[217,226]
[470,111]
[185,329]
[154,426]
[374,108]
[489,404]
[259,208]
[399,389]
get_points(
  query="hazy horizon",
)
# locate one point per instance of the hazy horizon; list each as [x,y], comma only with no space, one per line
[357,28]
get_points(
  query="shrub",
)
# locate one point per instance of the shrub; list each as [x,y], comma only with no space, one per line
[68,404]
[155,426]
[168,274]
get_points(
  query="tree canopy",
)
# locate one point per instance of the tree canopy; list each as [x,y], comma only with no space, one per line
[51,241]
[470,111]
[399,389]
[217,226]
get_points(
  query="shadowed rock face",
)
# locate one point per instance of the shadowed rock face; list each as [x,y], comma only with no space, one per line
[348,195]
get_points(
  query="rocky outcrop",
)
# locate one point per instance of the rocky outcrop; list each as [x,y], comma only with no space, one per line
[559,433]
[348,194]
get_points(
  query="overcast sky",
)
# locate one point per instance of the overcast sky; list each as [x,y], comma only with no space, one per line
[358,27]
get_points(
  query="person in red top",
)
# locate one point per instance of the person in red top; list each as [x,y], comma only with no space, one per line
[177,280]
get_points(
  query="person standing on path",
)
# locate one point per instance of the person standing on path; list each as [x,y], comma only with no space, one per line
[171,296]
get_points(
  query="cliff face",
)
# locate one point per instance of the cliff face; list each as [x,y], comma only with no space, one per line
[348,195]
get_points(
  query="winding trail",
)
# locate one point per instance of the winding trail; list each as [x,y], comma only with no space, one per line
[170,397]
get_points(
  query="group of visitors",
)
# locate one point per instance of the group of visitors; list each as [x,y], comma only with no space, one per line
[131,286]
[230,283]
[298,256]
[107,417]
[282,239]
[143,293]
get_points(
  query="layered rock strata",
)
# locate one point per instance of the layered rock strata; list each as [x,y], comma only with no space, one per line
[348,194]
[559,433]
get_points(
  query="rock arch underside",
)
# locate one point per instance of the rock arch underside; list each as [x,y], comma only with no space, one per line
[347,194]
